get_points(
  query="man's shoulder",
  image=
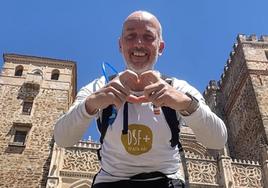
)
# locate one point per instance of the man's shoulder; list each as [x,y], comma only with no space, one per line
[95,84]
[185,87]
[178,82]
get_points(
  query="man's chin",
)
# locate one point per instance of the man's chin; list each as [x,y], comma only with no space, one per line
[140,70]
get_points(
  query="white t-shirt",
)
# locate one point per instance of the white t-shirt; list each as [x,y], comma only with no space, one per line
[146,147]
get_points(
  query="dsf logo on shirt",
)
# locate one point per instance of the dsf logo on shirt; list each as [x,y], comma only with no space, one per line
[138,140]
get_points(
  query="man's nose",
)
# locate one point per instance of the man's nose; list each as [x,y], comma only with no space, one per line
[139,42]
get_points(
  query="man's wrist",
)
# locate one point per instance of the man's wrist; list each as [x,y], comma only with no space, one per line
[192,107]
[89,107]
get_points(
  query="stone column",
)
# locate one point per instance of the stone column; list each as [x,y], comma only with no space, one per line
[264,164]
[225,170]
[53,177]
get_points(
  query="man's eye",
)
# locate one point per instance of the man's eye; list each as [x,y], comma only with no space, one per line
[130,36]
[148,37]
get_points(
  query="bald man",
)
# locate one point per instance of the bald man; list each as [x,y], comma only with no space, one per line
[140,155]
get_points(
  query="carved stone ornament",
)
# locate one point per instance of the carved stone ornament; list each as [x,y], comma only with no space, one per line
[80,160]
[247,176]
[28,91]
[202,172]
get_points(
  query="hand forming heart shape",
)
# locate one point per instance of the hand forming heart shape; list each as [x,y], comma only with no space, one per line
[138,83]
[135,99]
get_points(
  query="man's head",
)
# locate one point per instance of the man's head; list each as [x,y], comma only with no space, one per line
[141,41]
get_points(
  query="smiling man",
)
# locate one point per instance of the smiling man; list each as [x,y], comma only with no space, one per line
[141,41]
[140,144]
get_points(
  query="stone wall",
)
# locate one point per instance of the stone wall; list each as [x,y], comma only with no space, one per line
[28,166]
[74,166]
[26,163]
[245,126]
[238,97]
[256,55]
[223,172]
[260,85]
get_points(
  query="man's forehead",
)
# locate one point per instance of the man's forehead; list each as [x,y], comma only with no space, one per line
[142,17]
[134,24]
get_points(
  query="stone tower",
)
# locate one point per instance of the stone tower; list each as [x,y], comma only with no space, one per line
[243,97]
[34,92]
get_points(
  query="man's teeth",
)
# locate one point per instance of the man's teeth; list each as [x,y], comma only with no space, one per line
[139,54]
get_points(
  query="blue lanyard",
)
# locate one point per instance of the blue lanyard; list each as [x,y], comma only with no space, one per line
[104,71]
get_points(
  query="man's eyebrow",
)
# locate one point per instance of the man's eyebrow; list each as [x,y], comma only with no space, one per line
[132,29]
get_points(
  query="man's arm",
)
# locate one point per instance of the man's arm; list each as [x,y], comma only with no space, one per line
[92,98]
[71,126]
[207,126]
[209,129]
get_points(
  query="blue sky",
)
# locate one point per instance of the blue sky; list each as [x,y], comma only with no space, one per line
[199,35]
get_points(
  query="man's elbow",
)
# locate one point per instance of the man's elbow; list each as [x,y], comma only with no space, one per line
[61,142]
[218,143]
[217,146]
[61,137]
[214,141]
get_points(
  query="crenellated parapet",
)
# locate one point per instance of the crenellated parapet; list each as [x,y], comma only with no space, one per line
[242,169]
[211,87]
[248,57]
[245,162]
[233,75]
[247,48]
[232,63]
[252,38]
[210,94]
[87,144]
[194,156]
[255,49]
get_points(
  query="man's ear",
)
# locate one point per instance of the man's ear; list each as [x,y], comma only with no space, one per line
[161,47]
[119,43]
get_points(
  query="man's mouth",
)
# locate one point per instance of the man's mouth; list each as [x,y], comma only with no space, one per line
[139,53]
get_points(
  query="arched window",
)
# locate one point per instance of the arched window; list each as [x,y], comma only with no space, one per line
[37,72]
[55,74]
[18,70]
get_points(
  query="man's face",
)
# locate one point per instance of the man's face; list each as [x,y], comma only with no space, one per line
[140,44]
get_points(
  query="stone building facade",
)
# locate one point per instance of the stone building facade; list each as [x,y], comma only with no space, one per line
[240,98]
[34,92]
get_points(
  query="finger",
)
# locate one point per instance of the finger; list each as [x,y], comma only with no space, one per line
[135,99]
[159,100]
[153,88]
[128,76]
[126,88]
[114,99]
[150,77]
[117,85]
[156,95]
[117,93]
